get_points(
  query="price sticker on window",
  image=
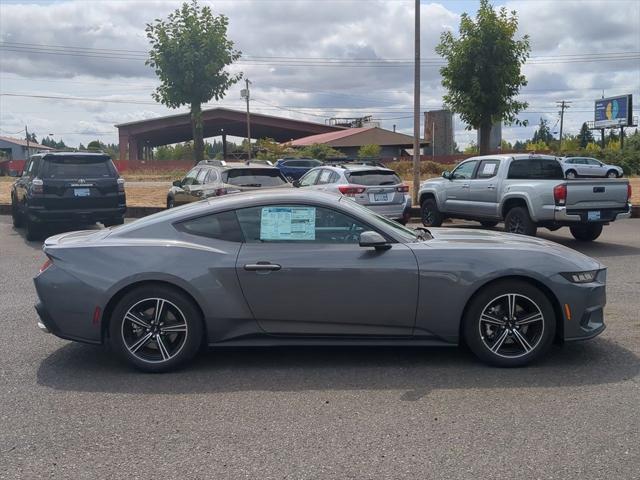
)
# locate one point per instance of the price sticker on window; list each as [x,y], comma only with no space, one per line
[288,223]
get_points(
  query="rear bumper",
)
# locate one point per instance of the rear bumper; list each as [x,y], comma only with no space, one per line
[394,211]
[564,215]
[40,214]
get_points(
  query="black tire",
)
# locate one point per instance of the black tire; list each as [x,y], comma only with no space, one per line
[612,174]
[170,202]
[488,224]
[16,216]
[33,231]
[177,309]
[586,233]
[518,221]
[113,222]
[430,215]
[571,174]
[483,336]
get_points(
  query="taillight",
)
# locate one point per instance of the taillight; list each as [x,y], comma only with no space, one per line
[629,192]
[560,194]
[37,186]
[403,189]
[121,185]
[47,263]
[350,190]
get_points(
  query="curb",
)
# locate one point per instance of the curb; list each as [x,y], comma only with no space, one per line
[138,212]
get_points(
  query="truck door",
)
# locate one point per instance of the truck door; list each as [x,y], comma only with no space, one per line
[457,189]
[483,191]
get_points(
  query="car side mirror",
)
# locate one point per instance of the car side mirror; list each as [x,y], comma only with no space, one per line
[373,239]
[446,174]
[177,183]
[296,183]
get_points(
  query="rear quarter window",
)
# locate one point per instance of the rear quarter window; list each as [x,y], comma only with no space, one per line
[373,177]
[221,226]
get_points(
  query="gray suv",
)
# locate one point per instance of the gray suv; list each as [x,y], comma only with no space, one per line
[214,178]
[377,188]
[589,167]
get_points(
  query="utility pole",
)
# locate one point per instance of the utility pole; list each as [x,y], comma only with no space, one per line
[563,105]
[416,106]
[245,94]
[26,133]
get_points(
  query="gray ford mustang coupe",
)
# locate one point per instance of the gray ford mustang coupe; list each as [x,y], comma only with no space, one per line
[310,268]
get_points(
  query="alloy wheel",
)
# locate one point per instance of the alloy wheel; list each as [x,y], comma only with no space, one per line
[154,330]
[516,225]
[511,325]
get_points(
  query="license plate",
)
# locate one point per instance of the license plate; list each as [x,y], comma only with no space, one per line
[380,197]
[81,192]
[593,215]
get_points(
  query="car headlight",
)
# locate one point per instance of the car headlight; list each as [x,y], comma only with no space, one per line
[581,277]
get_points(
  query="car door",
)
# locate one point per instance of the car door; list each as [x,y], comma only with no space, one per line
[456,190]
[483,192]
[22,184]
[582,167]
[303,272]
[182,195]
[309,179]
[596,168]
[324,179]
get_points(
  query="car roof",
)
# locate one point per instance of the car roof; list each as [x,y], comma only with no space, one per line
[356,167]
[515,156]
[71,154]
[235,165]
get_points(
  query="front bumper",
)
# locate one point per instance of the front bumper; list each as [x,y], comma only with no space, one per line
[564,215]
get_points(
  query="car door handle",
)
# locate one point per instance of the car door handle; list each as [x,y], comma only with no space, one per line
[465,185]
[491,187]
[262,267]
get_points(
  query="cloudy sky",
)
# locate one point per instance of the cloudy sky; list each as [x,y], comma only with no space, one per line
[307,59]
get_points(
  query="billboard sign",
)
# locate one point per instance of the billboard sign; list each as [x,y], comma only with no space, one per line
[613,112]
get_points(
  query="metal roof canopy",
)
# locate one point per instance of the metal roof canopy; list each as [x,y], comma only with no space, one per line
[216,121]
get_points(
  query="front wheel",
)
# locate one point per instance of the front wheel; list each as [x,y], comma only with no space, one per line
[612,174]
[586,233]
[156,328]
[431,216]
[518,221]
[15,214]
[170,202]
[509,324]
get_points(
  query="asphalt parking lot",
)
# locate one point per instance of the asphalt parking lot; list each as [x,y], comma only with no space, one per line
[71,411]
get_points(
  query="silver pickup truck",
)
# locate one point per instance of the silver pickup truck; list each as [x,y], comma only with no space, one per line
[526,192]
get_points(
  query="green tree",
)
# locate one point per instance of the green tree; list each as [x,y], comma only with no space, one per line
[369,151]
[483,72]
[189,53]
[472,148]
[269,149]
[543,133]
[320,151]
[585,136]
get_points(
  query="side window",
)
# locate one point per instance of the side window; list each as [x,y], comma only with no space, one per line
[488,169]
[221,226]
[309,178]
[212,177]
[325,176]
[28,167]
[202,174]
[591,161]
[334,177]
[190,178]
[298,224]
[465,171]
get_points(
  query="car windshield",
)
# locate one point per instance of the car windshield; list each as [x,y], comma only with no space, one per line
[373,177]
[372,217]
[78,167]
[254,177]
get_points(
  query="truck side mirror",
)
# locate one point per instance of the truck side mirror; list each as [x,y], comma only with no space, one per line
[446,174]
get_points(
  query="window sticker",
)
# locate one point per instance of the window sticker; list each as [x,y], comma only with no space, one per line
[489,168]
[288,223]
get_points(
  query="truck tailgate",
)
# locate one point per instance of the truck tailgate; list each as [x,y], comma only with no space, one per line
[597,194]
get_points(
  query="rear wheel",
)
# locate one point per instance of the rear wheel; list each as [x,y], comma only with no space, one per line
[518,221]
[586,233]
[612,174]
[15,214]
[571,174]
[170,202]
[509,324]
[33,230]
[431,216]
[156,328]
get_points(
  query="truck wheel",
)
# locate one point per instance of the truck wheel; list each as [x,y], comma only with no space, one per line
[15,214]
[586,233]
[33,231]
[571,174]
[518,221]
[431,216]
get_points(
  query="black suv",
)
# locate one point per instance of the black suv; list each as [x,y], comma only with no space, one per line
[67,188]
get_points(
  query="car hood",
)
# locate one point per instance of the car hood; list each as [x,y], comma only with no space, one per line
[487,239]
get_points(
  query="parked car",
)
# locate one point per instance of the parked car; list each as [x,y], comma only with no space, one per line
[575,167]
[294,168]
[377,188]
[214,178]
[72,188]
[222,272]
[526,192]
